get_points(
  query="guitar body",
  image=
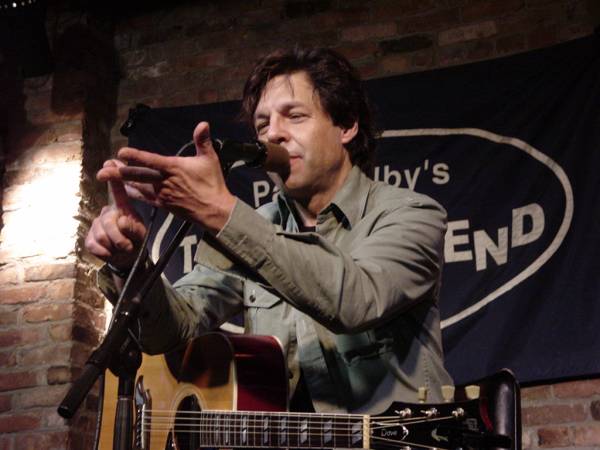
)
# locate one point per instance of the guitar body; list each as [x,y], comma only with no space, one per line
[216,372]
[230,391]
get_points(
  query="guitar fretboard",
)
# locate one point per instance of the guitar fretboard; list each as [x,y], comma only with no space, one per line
[265,429]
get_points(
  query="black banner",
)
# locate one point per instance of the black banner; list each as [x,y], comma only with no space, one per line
[511,148]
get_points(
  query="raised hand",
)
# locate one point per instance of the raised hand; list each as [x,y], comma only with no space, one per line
[190,187]
[117,233]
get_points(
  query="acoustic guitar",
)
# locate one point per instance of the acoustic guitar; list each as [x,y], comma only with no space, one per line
[230,391]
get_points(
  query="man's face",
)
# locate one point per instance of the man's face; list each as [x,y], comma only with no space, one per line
[289,113]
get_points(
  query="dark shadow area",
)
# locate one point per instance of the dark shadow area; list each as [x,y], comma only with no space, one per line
[86,80]
[24,52]
[500,397]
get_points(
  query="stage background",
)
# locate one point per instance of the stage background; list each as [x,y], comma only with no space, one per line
[510,147]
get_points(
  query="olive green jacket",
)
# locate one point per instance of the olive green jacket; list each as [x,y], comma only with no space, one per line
[354,304]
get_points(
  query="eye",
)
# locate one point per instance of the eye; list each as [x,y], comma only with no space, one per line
[296,116]
[261,127]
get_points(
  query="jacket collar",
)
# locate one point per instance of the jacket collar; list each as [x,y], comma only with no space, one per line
[348,204]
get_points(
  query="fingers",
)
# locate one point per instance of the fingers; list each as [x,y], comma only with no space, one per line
[94,241]
[142,174]
[202,139]
[97,240]
[132,229]
[109,171]
[127,182]
[119,195]
[135,157]
[112,234]
[144,192]
[115,236]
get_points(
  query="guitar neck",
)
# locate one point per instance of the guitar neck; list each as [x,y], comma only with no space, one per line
[250,429]
[191,412]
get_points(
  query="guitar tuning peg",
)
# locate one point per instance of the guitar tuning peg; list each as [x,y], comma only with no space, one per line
[430,413]
[405,413]
[448,393]
[458,413]
[472,391]
[422,394]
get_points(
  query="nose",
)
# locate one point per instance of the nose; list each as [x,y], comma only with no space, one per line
[277,132]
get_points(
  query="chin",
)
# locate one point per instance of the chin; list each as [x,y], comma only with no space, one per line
[296,189]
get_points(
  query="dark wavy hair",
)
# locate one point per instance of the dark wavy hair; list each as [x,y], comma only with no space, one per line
[339,87]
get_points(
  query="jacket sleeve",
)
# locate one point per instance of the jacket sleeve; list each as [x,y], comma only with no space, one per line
[171,315]
[396,262]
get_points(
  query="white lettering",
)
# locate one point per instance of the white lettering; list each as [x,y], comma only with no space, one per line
[411,179]
[441,173]
[261,190]
[388,175]
[452,240]
[187,243]
[484,244]
[528,223]
[160,234]
[536,214]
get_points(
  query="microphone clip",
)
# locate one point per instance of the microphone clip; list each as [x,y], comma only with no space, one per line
[253,154]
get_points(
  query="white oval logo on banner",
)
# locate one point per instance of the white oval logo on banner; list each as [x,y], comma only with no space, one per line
[548,162]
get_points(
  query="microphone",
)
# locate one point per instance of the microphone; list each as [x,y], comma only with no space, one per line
[271,157]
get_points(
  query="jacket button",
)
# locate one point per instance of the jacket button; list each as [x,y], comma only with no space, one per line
[252,297]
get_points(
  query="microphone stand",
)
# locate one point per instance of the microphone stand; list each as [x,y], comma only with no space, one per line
[117,341]
[118,350]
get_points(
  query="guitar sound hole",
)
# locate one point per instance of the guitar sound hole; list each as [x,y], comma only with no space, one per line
[187,427]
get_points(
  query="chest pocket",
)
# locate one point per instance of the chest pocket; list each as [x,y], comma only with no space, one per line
[264,311]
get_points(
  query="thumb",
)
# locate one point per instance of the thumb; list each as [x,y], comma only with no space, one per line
[132,227]
[202,139]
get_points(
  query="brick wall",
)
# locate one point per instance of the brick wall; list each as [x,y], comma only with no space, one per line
[562,415]
[200,52]
[55,134]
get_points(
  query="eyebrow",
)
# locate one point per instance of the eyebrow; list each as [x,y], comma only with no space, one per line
[284,107]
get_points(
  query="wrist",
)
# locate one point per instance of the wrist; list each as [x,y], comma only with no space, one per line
[221,215]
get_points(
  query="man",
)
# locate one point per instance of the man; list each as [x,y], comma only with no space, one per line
[343,270]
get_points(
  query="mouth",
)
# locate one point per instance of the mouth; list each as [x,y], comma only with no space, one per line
[295,160]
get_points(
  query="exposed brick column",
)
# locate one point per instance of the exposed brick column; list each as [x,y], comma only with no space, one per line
[564,414]
[51,316]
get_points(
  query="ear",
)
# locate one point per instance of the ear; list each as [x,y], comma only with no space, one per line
[349,133]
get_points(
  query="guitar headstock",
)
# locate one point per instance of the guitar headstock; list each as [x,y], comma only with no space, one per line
[448,425]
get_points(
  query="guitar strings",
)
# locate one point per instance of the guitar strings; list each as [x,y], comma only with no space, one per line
[254,423]
[211,438]
[266,413]
[257,415]
[255,428]
[210,429]
[291,418]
